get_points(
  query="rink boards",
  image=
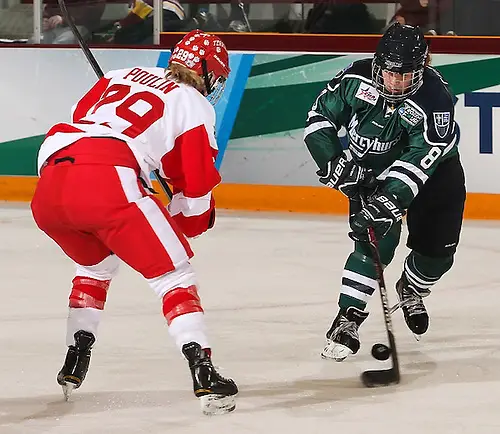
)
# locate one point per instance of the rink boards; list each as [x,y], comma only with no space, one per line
[263,160]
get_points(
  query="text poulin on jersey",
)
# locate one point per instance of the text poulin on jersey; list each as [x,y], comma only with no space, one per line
[163,84]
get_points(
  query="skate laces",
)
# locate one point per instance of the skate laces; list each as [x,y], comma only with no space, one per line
[345,326]
[217,370]
[412,301]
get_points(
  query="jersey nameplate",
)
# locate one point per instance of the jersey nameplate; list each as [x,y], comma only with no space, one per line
[367,93]
[410,114]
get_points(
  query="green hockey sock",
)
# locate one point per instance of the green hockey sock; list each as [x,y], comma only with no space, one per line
[422,272]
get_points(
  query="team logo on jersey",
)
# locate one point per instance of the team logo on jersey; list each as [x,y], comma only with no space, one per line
[442,123]
[361,145]
[389,110]
[410,114]
[367,93]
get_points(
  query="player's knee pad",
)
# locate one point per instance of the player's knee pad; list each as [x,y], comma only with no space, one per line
[88,292]
[182,277]
[386,247]
[104,270]
[422,272]
[366,257]
[429,266]
[180,301]
[178,291]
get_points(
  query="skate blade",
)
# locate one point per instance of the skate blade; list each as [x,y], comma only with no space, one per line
[335,351]
[68,390]
[212,405]
[417,337]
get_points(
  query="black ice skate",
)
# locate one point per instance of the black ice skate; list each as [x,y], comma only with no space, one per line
[342,339]
[410,301]
[76,363]
[216,393]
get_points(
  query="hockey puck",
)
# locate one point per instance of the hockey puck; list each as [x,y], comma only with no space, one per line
[381,351]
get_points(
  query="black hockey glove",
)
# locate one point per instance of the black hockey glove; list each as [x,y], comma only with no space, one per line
[346,176]
[380,213]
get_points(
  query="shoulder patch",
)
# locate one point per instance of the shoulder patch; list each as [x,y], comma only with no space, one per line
[367,93]
[342,71]
[442,123]
[410,114]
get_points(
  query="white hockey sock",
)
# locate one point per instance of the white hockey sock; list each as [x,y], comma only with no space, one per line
[189,327]
[86,318]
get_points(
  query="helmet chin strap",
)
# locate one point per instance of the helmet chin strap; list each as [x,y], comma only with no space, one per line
[205,76]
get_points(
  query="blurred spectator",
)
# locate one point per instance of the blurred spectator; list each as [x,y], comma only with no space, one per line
[239,17]
[137,26]
[86,15]
[202,19]
[329,17]
[423,13]
[413,12]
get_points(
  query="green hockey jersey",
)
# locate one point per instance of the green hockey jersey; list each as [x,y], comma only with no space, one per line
[403,144]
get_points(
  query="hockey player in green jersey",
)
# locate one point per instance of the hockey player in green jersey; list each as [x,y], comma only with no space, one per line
[402,159]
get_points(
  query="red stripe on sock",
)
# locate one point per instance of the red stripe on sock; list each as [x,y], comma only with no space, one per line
[181,301]
[88,292]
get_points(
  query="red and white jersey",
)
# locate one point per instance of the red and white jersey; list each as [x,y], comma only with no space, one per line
[168,126]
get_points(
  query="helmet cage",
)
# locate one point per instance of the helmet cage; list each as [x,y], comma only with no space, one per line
[214,84]
[414,77]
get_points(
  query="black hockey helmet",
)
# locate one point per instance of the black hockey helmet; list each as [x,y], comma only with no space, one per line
[401,52]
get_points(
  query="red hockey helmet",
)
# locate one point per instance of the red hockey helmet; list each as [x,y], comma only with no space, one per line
[206,55]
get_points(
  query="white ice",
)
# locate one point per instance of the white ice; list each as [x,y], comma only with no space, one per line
[269,284]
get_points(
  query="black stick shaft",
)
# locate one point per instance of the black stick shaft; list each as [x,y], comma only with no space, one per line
[380,377]
[83,45]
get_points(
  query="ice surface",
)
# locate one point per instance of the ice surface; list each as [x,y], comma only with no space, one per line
[269,284]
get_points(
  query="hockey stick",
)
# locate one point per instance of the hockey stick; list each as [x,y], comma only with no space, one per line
[381,377]
[396,307]
[98,71]
[245,16]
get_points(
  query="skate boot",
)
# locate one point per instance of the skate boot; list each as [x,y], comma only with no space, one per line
[76,363]
[342,339]
[216,393]
[410,301]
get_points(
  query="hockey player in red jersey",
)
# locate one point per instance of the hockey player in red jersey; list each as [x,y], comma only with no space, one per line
[93,199]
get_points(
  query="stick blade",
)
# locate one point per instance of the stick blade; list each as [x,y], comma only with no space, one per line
[380,378]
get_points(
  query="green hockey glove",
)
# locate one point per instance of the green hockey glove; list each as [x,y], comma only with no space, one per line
[381,212]
[346,176]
